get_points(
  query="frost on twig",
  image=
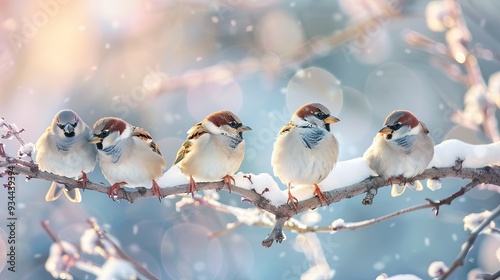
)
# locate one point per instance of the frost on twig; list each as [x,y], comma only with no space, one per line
[64,257]
[26,149]
[472,222]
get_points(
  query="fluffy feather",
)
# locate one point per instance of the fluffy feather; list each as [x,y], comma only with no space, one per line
[305,151]
[214,148]
[63,150]
[403,148]
[127,154]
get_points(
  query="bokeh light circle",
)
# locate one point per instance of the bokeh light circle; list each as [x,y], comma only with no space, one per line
[395,86]
[188,253]
[314,85]
[279,33]
[242,255]
[206,98]
[355,117]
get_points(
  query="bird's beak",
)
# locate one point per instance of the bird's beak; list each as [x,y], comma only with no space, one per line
[68,128]
[385,130]
[332,119]
[244,128]
[94,139]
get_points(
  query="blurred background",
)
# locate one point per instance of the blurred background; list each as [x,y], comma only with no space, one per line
[165,64]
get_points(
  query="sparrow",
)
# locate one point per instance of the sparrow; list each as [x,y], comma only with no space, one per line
[63,150]
[401,149]
[305,151]
[127,155]
[213,150]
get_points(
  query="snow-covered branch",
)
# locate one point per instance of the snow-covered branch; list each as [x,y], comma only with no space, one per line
[65,257]
[477,164]
[485,222]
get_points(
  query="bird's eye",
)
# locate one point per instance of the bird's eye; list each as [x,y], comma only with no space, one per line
[74,125]
[396,126]
[234,124]
[61,126]
[321,115]
[104,133]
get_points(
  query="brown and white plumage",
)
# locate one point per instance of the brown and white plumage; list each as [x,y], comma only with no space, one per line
[128,156]
[214,149]
[63,150]
[402,148]
[305,151]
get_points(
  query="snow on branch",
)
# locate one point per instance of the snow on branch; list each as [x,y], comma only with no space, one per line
[484,223]
[475,162]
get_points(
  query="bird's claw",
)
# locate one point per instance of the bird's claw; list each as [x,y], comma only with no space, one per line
[293,201]
[84,180]
[321,196]
[228,179]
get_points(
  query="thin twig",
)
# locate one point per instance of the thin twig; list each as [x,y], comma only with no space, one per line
[459,261]
[141,269]
[362,224]
[12,130]
[50,232]
[431,204]
[494,276]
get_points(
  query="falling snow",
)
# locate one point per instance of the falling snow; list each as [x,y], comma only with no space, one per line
[378,266]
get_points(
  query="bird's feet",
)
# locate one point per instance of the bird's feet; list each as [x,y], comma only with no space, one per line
[321,196]
[84,180]
[113,190]
[192,186]
[400,180]
[228,178]
[293,201]
[156,190]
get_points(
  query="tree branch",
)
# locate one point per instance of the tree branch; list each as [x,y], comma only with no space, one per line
[431,204]
[459,261]
[487,175]
[102,234]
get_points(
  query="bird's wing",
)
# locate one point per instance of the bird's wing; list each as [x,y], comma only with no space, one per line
[183,151]
[144,135]
[196,131]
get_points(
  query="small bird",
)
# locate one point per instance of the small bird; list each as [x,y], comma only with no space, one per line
[402,149]
[127,155]
[63,150]
[305,151]
[213,151]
